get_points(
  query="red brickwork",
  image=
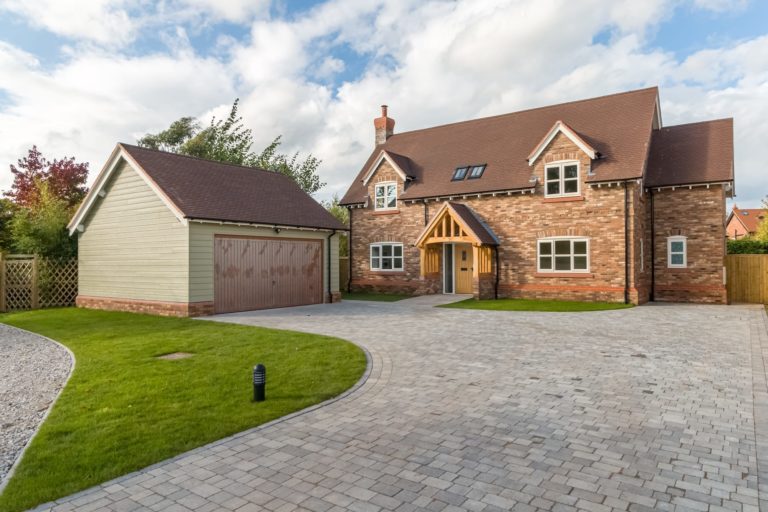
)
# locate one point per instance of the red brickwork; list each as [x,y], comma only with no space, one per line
[697,214]
[152,307]
[518,220]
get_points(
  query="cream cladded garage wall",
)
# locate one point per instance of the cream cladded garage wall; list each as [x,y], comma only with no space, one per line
[133,246]
[201,237]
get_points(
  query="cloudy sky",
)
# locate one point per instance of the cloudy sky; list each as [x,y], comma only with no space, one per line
[76,76]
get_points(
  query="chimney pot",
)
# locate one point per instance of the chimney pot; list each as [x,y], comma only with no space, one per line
[383,111]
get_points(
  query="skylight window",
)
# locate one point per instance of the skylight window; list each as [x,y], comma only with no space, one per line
[476,171]
[460,173]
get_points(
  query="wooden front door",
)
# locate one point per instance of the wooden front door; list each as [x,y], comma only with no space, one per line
[463,267]
[260,273]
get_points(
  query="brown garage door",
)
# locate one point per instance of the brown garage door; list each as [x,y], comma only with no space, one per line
[261,273]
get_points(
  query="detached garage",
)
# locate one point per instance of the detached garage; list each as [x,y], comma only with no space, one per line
[174,235]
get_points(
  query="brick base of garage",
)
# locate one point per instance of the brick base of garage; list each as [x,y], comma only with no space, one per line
[152,307]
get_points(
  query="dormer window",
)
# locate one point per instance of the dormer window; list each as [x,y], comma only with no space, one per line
[386,196]
[476,171]
[460,173]
[561,179]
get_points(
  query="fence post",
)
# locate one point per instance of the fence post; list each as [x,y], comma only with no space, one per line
[3,291]
[35,291]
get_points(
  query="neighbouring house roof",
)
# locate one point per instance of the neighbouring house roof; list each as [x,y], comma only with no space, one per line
[618,127]
[197,189]
[466,216]
[691,154]
[750,218]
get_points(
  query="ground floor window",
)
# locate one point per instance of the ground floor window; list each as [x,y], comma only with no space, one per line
[677,252]
[387,256]
[563,255]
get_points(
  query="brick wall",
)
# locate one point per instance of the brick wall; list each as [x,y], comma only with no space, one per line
[697,214]
[152,307]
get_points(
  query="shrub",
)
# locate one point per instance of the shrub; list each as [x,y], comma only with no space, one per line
[747,246]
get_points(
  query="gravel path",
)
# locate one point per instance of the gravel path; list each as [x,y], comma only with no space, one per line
[32,371]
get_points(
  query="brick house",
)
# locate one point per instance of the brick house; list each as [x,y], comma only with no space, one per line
[579,201]
[743,222]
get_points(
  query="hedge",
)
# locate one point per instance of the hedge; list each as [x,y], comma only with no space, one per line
[747,246]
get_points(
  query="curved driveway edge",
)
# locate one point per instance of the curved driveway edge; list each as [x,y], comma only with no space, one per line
[33,372]
[650,408]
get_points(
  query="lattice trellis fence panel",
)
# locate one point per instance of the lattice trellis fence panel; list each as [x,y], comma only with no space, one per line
[27,282]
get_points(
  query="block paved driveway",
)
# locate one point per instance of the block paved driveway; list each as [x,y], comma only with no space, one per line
[651,408]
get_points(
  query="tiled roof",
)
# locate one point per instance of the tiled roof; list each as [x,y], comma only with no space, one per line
[207,190]
[749,217]
[691,153]
[617,126]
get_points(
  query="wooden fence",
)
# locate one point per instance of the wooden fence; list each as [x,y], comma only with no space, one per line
[747,278]
[30,282]
[343,273]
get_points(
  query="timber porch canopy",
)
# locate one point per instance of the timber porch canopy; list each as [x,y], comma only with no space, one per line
[456,223]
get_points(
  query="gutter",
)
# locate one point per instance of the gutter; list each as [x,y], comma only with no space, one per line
[496,284]
[328,244]
[262,225]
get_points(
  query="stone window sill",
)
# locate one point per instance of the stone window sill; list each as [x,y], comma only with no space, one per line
[578,275]
[566,199]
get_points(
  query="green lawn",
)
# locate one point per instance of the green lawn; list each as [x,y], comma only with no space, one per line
[535,305]
[123,409]
[380,297]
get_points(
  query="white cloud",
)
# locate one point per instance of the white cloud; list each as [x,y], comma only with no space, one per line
[432,62]
[99,21]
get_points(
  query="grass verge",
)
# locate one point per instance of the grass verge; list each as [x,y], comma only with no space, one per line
[379,297]
[124,409]
[535,305]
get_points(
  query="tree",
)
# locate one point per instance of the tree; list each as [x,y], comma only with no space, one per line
[762,228]
[42,228]
[7,211]
[342,214]
[302,172]
[228,140]
[64,178]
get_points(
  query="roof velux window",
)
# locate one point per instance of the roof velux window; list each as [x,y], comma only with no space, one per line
[476,171]
[460,173]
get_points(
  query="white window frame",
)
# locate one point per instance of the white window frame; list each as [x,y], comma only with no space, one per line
[380,246]
[384,185]
[684,240]
[554,239]
[561,178]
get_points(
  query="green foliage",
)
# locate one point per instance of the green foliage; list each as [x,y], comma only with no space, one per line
[228,140]
[174,138]
[42,228]
[751,245]
[762,227]
[303,172]
[342,215]
[7,211]
[535,305]
[123,409]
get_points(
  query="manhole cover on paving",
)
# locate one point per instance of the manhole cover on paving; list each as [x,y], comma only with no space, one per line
[175,355]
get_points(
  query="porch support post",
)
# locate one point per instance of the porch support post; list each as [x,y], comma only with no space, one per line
[422,261]
[475,261]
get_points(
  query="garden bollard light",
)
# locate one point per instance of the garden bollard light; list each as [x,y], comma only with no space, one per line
[259,382]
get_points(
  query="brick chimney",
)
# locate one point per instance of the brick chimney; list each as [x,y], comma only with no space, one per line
[385,126]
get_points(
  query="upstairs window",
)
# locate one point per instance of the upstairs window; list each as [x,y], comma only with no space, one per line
[561,179]
[386,196]
[476,171]
[563,255]
[460,173]
[677,252]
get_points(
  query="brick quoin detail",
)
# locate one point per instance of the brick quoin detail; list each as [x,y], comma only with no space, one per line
[518,220]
